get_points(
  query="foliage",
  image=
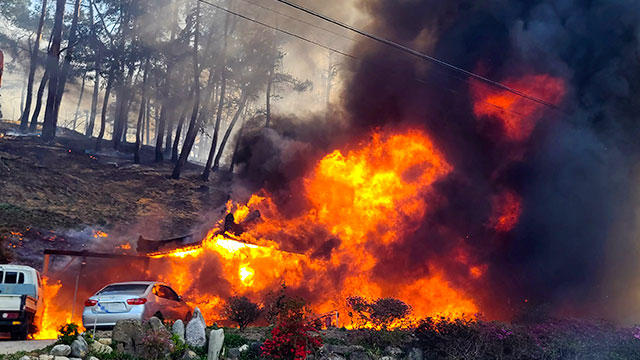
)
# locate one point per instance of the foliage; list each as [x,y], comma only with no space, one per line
[293,337]
[377,340]
[242,311]
[381,313]
[445,338]
[252,354]
[155,344]
[179,347]
[67,333]
[234,340]
[274,302]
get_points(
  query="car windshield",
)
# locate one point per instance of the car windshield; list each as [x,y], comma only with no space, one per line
[132,289]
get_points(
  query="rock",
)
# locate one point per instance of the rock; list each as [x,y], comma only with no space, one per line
[75,358]
[93,358]
[393,351]
[244,348]
[195,334]
[387,358]
[45,357]
[156,325]
[60,350]
[79,347]
[106,341]
[128,333]
[341,349]
[359,355]
[178,329]
[189,355]
[216,339]
[100,348]
[26,357]
[233,353]
[60,358]
[415,354]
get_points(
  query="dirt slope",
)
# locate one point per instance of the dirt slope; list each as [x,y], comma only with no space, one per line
[61,186]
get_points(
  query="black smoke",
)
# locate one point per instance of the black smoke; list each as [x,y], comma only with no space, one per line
[574,247]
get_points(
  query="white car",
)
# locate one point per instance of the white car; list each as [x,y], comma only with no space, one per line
[20,300]
[138,300]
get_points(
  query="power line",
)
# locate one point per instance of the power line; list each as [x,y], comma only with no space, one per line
[298,20]
[418,54]
[422,81]
[276,29]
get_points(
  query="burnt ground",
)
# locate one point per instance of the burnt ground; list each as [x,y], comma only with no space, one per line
[59,195]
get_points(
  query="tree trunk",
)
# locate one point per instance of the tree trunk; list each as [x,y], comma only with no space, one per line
[193,126]
[66,66]
[160,125]
[176,141]
[168,143]
[24,120]
[147,126]
[243,102]
[234,157]
[122,110]
[103,114]
[53,57]
[94,105]
[268,96]
[136,154]
[33,126]
[96,82]
[75,117]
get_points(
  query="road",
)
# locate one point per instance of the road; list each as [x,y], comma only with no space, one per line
[10,347]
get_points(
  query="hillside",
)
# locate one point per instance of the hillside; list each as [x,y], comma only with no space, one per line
[61,189]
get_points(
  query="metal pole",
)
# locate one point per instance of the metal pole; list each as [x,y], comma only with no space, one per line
[75,292]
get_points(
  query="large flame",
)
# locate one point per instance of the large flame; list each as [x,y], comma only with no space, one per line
[359,202]
[518,115]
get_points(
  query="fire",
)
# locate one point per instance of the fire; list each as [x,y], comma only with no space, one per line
[361,200]
[54,315]
[100,234]
[506,211]
[517,114]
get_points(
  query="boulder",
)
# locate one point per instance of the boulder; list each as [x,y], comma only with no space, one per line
[128,333]
[60,358]
[233,353]
[189,355]
[359,355]
[79,347]
[415,354]
[105,341]
[100,348]
[45,357]
[60,350]
[393,351]
[216,339]
[178,329]
[195,334]
[156,325]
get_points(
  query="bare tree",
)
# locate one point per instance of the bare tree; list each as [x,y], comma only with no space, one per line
[53,58]
[24,120]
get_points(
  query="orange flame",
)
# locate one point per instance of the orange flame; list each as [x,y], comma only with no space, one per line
[360,198]
[517,114]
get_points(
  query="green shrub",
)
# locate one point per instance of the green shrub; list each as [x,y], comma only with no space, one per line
[234,340]
[67,333]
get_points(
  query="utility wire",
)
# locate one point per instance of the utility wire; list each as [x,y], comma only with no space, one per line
[298,20]
[276,28]
[418,54]
[422,81]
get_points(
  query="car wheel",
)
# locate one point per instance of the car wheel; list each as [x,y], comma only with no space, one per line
[158,314]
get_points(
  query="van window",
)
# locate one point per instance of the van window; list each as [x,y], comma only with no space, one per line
[13,277]
[1,276]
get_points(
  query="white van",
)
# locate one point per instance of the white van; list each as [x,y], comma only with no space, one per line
[21,300]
